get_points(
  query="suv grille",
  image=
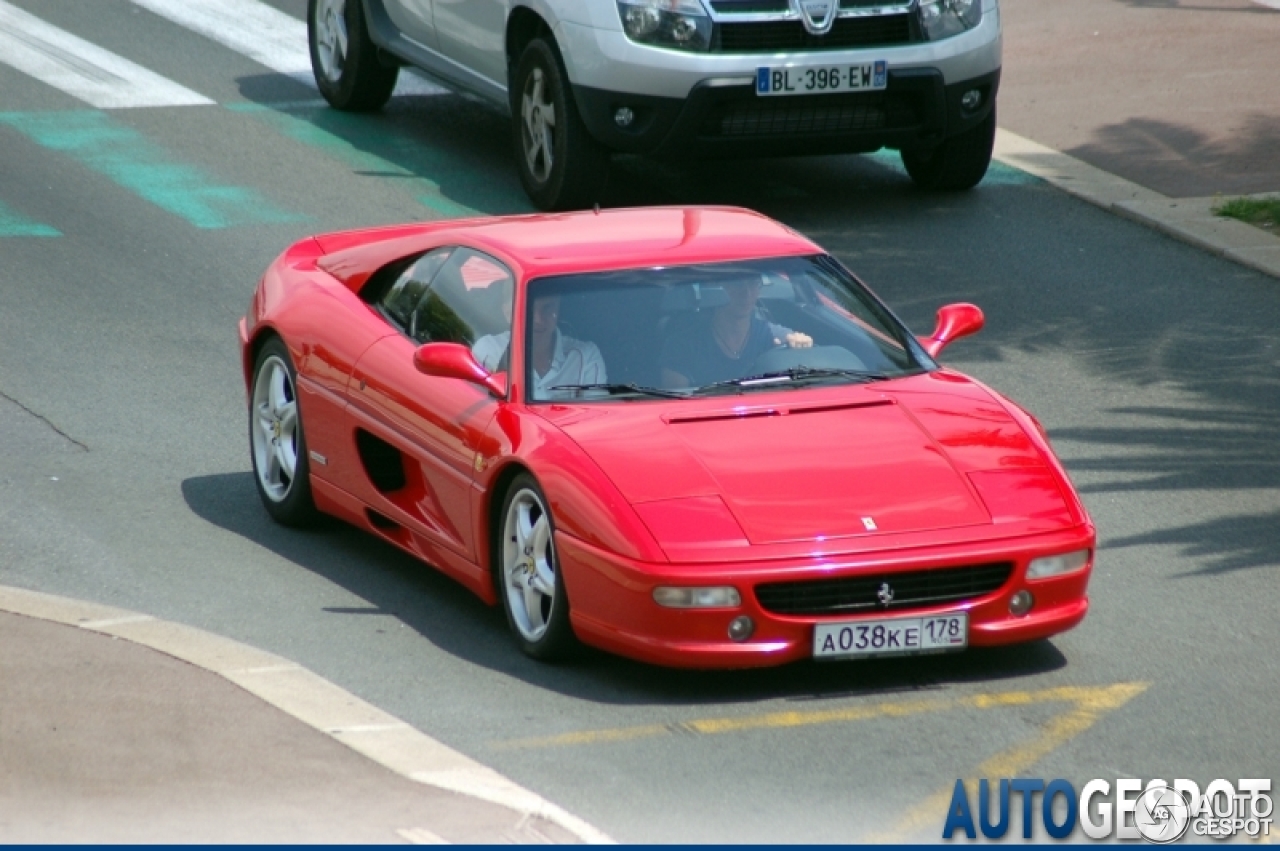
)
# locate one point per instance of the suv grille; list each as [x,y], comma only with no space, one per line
[812,115]
[798,116]
[775,36]
[857,594]
[742,7]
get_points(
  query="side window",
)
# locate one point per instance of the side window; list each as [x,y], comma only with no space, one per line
[404,295]
[451,295]
[469,298]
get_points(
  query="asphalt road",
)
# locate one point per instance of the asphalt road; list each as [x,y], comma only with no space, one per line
[124,471]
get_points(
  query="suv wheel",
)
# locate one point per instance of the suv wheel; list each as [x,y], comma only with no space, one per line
[958,163]
[561,166]
[344,59]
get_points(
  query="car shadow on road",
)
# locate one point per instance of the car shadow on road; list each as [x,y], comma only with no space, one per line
[455,156]
[452,153]
[457,622]
[1181,161]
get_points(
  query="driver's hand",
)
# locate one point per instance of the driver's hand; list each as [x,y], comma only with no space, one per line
[799,340]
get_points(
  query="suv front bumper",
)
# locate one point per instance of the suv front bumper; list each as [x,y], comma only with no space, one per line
[916,109]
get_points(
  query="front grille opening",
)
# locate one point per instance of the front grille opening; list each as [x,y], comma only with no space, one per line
[797,116]
[778,36]
[857,594]
[743,7]
[813,115]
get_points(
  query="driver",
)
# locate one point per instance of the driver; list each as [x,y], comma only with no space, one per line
[722,346]
[557,359]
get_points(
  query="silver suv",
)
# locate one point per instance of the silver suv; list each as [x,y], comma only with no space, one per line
[686,78]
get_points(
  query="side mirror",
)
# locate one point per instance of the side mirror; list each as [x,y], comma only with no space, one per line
[954,321]
[452,360]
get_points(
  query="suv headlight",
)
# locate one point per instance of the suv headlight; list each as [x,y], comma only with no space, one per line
[945,18]
[680,24]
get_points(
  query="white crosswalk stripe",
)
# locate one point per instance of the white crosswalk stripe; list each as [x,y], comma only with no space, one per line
[264,34]
[82,69]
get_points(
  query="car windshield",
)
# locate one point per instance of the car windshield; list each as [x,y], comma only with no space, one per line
[686,331]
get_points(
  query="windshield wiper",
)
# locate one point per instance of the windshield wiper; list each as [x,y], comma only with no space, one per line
[796,373]
[619,389]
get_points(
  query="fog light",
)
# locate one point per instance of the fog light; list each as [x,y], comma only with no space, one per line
[741,627]
[971,99]
[624,116]
[697,598]
[1046,566]
[1021,603]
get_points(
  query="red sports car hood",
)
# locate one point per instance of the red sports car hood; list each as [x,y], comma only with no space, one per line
[862,463]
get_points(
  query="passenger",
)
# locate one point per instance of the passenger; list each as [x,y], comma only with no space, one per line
[557,358]
[723,346]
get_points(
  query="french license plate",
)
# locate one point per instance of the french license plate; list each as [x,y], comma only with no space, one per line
[891,636]
[826,79]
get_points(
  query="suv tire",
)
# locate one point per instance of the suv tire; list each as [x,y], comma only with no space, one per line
[561,166]
[344,59]
[958,163]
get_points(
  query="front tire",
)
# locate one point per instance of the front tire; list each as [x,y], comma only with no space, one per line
[957,164]
[528,574]
[282,470]
[344,59]
[561,166]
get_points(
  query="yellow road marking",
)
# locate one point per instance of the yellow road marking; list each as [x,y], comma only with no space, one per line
[1090,705]
[1090,702]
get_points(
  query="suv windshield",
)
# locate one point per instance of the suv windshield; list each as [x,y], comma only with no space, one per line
[771,324]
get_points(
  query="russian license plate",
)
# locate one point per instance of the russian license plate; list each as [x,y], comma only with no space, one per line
[826,79]
[890,636]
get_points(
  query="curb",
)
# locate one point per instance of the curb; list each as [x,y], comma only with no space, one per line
[306,696]
[1189,219]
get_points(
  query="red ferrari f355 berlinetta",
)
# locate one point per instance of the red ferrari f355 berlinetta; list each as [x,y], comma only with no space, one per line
[685,435]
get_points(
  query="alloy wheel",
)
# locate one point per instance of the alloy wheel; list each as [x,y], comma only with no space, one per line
[537,126]
[331,37]
[275,429]
[529,565]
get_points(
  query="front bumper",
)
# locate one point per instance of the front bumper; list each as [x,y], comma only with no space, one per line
[916,109]
[613,608]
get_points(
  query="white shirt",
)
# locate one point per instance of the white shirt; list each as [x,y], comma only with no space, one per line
[572,362]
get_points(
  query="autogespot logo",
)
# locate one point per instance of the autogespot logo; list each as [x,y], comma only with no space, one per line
[1162,814]
[1158,812]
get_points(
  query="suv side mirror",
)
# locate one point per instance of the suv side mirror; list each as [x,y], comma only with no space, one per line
[452,360]
[954,321]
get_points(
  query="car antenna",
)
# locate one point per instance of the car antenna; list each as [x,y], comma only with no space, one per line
[597,208]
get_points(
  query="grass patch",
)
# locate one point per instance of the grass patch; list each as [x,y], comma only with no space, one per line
[1260,212]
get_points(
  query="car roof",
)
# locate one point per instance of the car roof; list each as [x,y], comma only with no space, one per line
[568,243]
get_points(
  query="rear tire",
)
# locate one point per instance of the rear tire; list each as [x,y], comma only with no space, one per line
[344,59]
[957,164]
[561,166]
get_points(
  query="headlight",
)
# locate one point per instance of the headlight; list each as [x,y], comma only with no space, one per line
[1046,566]
[945,18]
[680,24]
[697,598]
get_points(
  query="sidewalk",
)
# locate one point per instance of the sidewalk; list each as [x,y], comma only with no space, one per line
[1155,111]
[116,727]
